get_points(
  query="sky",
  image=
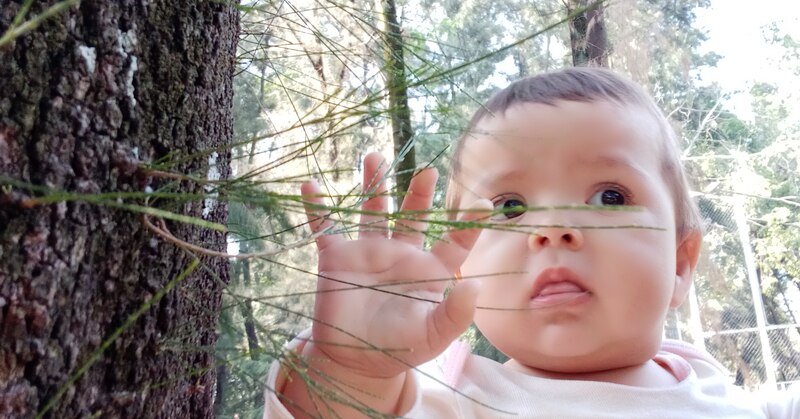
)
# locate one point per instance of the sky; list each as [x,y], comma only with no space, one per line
[735,29]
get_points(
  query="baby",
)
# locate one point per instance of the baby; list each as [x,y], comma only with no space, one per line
[580,237]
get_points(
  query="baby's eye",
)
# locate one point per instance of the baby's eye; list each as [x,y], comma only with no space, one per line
[507,207]
[608,195]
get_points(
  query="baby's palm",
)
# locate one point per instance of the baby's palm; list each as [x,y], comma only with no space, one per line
[377,310]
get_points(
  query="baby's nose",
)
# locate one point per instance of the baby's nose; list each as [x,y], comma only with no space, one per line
[567,237]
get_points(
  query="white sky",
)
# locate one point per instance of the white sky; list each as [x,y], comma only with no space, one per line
[736,30]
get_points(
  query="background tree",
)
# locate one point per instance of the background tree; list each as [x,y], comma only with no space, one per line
[464,50]
[110,111]
[587,33]
[397,86]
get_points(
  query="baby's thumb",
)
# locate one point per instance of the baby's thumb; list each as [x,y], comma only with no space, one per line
[454,314]
[453,249]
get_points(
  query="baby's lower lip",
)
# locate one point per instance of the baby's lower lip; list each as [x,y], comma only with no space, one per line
[560,299]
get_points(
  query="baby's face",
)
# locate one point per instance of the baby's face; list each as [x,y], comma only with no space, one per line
[585,298]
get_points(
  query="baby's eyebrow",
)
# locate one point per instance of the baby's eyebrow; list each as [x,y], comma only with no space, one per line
[500,176]
[593,161]
[610,161]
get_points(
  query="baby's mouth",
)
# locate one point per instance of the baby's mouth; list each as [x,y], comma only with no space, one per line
[557,286]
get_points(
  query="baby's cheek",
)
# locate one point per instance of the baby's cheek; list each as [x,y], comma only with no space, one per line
[650,261]
[490,325]
[491,293]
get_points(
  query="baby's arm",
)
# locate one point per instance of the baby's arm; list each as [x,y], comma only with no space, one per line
[377,312]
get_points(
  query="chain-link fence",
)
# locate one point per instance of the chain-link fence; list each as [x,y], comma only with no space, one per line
[744,307]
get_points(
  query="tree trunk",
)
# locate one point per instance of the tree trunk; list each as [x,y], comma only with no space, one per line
[86,101]
[397,84]
[219,396]
[247,314]
[587,33]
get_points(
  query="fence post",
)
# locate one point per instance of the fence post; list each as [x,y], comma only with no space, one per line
[755,286]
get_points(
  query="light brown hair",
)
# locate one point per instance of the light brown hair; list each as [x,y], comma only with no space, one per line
[589,84]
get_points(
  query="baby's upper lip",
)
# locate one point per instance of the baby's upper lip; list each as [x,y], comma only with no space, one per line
[555,275]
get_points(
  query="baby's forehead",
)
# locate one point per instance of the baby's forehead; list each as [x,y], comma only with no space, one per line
[598,112]
[597,124]
[580,134]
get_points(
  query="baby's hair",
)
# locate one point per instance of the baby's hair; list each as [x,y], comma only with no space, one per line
[588,84]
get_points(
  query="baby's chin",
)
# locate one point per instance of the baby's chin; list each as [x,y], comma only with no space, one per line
[556,366]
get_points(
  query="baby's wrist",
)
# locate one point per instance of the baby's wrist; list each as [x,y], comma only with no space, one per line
[315,375]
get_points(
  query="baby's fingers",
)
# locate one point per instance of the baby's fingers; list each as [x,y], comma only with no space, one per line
[453,315]
[373,218]
[318,216]
[454,247]
[411,225]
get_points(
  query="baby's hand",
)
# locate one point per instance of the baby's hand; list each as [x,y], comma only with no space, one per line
[377,310]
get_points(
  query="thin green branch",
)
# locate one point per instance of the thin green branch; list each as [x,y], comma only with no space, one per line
[16,30]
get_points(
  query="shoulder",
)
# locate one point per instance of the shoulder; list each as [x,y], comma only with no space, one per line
[782,404]
[715,380]
[683,358]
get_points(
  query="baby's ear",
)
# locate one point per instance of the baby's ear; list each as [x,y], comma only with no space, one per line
[688,251]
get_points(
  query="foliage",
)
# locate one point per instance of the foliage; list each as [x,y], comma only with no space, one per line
[317,95]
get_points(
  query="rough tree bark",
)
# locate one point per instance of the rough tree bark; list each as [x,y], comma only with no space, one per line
[587,33]
[397,85]
[86,100]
